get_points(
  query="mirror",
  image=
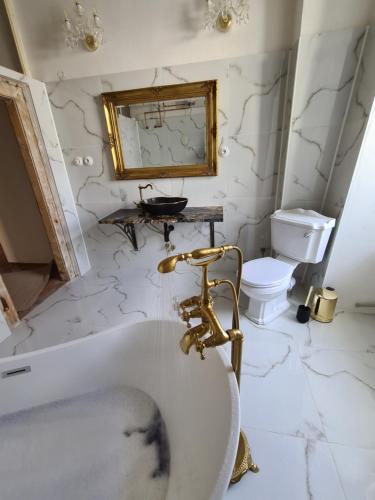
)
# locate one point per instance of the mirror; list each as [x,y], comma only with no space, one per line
[162,132]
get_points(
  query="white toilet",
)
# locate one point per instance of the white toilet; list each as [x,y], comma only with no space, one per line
[296,236]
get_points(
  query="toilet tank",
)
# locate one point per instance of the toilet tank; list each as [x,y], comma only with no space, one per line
[300,234]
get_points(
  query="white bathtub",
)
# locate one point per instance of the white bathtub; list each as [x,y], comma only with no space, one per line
[198,400]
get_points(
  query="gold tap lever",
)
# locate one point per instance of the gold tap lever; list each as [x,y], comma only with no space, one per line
[210,333]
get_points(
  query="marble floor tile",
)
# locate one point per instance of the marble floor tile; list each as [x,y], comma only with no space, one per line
[275,395]
[287,326]
[307,390]
[343,333]
[290,469]
[356,467]
[343,386]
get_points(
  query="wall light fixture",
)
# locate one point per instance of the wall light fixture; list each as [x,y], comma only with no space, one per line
[221,13]
[82,27]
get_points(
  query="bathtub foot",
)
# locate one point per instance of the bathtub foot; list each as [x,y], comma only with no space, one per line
[244,461]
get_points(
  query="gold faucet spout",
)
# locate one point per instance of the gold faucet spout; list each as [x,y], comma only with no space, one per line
[192,336]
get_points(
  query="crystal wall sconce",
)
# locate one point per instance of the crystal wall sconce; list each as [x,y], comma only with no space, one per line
[82,27]
[221,13]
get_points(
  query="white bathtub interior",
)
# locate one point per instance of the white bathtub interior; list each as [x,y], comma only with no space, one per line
[198,400]
[110,443]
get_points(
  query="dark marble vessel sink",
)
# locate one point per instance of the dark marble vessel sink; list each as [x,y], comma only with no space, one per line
[164,205]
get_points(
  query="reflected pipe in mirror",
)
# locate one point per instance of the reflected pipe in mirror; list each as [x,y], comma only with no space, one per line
[162,132]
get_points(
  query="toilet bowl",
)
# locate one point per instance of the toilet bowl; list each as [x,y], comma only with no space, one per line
[266,282]
[297,236]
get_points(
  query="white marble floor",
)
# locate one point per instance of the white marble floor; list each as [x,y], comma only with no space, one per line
[307,395]
[308,407]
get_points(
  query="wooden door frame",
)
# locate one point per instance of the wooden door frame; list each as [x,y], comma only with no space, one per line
[6,304]
[26,126]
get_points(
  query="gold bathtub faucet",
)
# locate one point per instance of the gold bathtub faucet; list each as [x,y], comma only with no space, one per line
[209,332]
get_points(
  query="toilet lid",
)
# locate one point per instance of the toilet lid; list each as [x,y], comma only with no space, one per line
[265,272]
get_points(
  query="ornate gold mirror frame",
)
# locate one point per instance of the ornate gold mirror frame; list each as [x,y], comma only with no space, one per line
[207,89]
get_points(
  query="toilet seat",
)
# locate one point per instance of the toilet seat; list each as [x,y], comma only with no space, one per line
[266,272]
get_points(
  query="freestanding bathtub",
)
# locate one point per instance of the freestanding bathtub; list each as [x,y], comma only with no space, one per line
[198,400]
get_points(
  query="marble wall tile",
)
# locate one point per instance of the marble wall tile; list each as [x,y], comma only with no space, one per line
[249,171]
[252,229]
[350,143]
[252,92]
[354,129]
[364,91]
[253,167]
[179,141]
[244,186]
[290,81]
[129,133]
[78,111]
[256,93]
[130,80]
[310,155]
[344,167]
[325,72]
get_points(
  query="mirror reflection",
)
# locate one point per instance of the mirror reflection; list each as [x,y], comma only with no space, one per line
[163,133]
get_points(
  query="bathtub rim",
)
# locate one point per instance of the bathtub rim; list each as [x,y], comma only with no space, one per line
[222,482]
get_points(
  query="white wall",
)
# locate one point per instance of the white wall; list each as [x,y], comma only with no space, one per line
[8,51]
[331,15]
[352,262]
[22,233]
[146,34]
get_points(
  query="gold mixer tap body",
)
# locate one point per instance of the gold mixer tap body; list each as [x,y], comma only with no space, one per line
[209,332]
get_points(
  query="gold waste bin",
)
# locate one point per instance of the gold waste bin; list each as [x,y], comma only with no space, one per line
[322,303]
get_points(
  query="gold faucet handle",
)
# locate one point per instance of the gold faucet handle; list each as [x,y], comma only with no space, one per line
[194,313]
[195,300]
[199,346]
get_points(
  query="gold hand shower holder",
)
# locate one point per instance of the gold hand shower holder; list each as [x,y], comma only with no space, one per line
[210,333]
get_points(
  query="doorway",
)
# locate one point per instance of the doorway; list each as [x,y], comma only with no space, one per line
[35,251]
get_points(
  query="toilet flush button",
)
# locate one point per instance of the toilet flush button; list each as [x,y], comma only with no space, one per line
[307,234]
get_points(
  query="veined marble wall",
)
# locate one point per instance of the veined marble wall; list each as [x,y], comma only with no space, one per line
[348,149]
[129,132]
[281,114]
[179,141]
[250,100]
[353,131]
[325,73]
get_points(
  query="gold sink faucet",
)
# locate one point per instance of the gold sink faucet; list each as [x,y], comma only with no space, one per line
[209,332]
